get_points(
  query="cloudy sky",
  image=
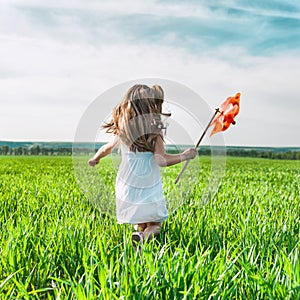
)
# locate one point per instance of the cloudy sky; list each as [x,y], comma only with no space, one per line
[56,57]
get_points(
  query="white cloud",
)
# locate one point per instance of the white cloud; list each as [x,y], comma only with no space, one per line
[116,7]
[46,81]
[52,77]
[162,8]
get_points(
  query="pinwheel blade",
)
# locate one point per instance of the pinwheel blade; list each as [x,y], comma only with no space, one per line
[229,109]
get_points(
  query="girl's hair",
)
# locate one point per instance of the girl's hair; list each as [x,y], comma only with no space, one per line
[137,119]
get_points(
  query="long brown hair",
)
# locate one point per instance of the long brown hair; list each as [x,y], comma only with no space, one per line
[137,119]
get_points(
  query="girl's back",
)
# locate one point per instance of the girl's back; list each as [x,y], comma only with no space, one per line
[138,169]
[139,188]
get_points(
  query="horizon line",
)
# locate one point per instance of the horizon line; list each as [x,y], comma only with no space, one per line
[96,142]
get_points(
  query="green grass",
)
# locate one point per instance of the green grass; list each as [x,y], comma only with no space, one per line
[242,244]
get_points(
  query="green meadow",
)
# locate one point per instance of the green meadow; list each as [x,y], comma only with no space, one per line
[241,243]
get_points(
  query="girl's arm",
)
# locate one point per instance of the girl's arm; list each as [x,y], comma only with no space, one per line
[102,152]
[164,160]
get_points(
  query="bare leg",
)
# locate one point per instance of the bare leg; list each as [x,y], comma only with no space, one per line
[146,231]
[152,230]
[140,227]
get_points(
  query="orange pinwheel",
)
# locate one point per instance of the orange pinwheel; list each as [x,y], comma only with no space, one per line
[229,109]
[221,120]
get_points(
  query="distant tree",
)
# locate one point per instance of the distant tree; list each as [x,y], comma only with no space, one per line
[35,150]
[19,151]
[5,150]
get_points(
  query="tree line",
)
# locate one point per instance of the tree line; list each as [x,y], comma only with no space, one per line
[288,155]
[240,152]
[34,150]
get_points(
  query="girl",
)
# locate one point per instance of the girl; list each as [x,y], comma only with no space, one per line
[136,123]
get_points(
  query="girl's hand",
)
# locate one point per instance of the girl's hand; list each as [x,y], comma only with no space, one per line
[93,162]
[189,153]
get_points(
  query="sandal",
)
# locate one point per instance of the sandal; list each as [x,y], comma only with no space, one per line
[137,240]
[137,237]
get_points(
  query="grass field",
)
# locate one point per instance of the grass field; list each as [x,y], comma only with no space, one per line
[242,244]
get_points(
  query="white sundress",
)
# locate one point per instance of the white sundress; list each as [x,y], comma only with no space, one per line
[139,189]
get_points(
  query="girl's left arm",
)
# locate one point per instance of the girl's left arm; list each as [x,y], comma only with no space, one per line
[102,152]
[164,160]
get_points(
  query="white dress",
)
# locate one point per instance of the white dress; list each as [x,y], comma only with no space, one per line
[139,189]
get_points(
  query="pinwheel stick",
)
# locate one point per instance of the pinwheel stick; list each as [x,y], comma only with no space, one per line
[198,143]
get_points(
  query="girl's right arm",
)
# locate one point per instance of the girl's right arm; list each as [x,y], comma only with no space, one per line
[102,152]
[164,160]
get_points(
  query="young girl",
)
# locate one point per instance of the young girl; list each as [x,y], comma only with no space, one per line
[136,123]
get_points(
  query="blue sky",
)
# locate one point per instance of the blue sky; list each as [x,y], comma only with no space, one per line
[56,57]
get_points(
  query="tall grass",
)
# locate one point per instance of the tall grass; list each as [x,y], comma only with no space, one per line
[242,244]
